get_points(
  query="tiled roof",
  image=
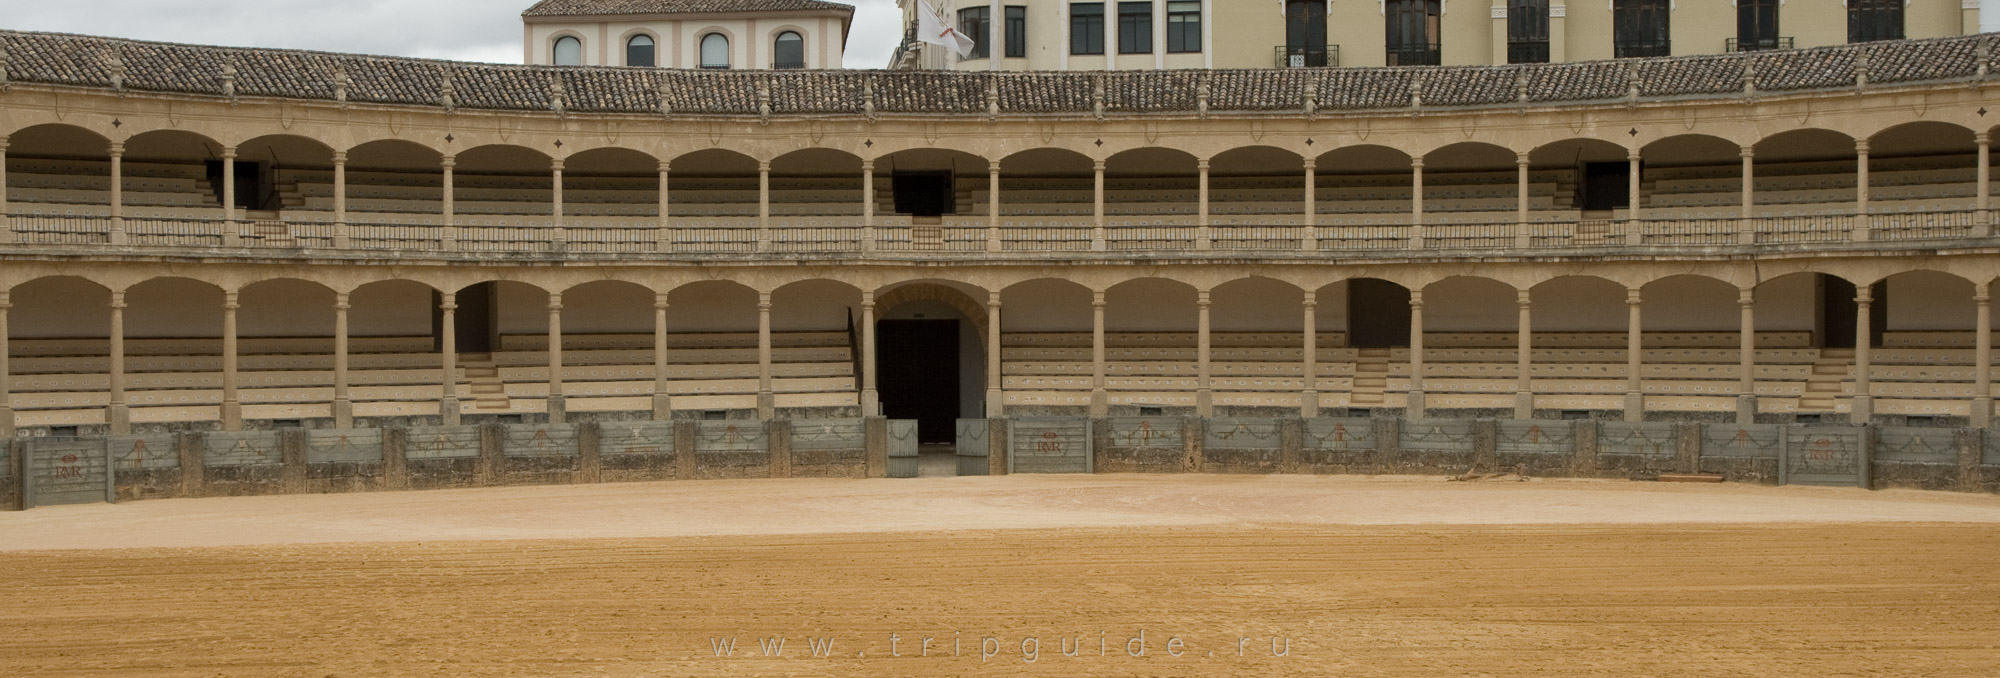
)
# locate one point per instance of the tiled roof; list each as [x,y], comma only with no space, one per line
[82,61]
[604,7]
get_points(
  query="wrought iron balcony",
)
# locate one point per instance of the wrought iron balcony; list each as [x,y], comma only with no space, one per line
[1306,57]
[1759,45]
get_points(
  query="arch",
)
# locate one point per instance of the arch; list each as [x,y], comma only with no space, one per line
[57,140]
[1796,302]
[1046,162]
[1255,161]
[1689,303]
[938,291]
[1368,312]
[1464,303]
[1575,152]
[1683,150]
[566,49]
[173,307]
[59,307]
[285,307]
[1045,305]
[1470,155]
[932,160]
[713,50]
[400,155]
[170,145]
[612,161]
[1150,305]
[788,48]
[714,162]
[391,308]
[1578,303]
[285,151]
[815,305]
[1806,144]
[642,48]
[1921,137]
[712,306]
[817,162]
[1364,159]
[1927,300]
[1151,161]
[1257,304]
[504,159]
[607,307]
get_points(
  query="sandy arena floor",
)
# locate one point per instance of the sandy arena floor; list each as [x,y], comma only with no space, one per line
[1361,576]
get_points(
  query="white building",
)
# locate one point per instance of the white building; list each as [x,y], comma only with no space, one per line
[710,34]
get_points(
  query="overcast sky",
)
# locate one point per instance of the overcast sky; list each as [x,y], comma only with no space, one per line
[469,30]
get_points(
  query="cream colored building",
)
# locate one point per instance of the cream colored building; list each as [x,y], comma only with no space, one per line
[705,34]
[1173,34]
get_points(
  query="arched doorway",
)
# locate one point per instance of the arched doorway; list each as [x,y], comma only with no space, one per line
[931,357]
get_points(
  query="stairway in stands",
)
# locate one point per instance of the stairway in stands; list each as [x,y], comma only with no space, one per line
[1371,378]
[488,391]
[1828,373]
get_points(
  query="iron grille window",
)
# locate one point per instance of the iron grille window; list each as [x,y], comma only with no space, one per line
[1528,32]
[1871,20]
[1756,25]
[1639,28]
[639,51]
[976,23]
[1135,28]
[1086,28]
[1413,32]
[1183,26]
[789,52]
[1017,32]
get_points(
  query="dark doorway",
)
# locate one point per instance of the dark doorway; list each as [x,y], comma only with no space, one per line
[1305,33]
[924,194]
[1838,311]
[1378,314]
[249,184]
[918,360]
[1607,186]
[473,320]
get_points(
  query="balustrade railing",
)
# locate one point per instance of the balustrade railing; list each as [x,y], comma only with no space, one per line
[849,235]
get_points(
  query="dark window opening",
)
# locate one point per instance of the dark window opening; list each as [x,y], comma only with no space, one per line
[474,321]
[977,23]
[1135,28]
[1839,310]
[1305,35]
[1528,32]
[1183,27]
[639,52]
[1152,411]
[790,51]
[1757,25]
[1378,314]
[1607,186]
[925,194]
[714,415]
[919,376]
[249,183]
[1639,28]
[1413,32]
[1086,28]
[1017,32]
[1871,20]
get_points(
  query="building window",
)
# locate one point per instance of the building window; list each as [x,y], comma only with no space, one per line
[1017,32]
[1135,28]
[1183,26]
[977,23]
[1305,35]
[1413,32]
[1871,20]
[789,52]
[715,51]
[1528,31]
[569,51]
[1639,28]
[1086,28]
[1756,25]
[639,52]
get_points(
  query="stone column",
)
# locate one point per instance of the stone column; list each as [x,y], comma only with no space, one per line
[1416,203]
[6,213]
[1983,141]
[1524,394]
[1100,398]
[117,233]
[996,398]
[448,409]
[232,405]
[767,403]
[231,232]
[1523,236]
[1862,223]
[343,407]
[993,204]
[1414,409]
[1746,370]
[1204,234]
[1309,241]
[450,239]
[663,409]
[1982,356]
[557,402]
[1309,398]
[1635,353]
[561,235]
[1746,231]
[6,366]
[341,231]
[663,241]
[1635,232]
[1097,235]
[868,205]
[1204,395]
[1864,406]
[117,414]
[763,206]
[871,397]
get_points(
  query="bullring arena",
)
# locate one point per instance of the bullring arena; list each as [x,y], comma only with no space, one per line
[323,364]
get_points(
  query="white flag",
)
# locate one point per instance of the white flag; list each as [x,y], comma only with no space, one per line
[931,28]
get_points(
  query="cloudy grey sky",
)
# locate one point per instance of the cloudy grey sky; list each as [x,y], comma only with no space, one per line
[470,30]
